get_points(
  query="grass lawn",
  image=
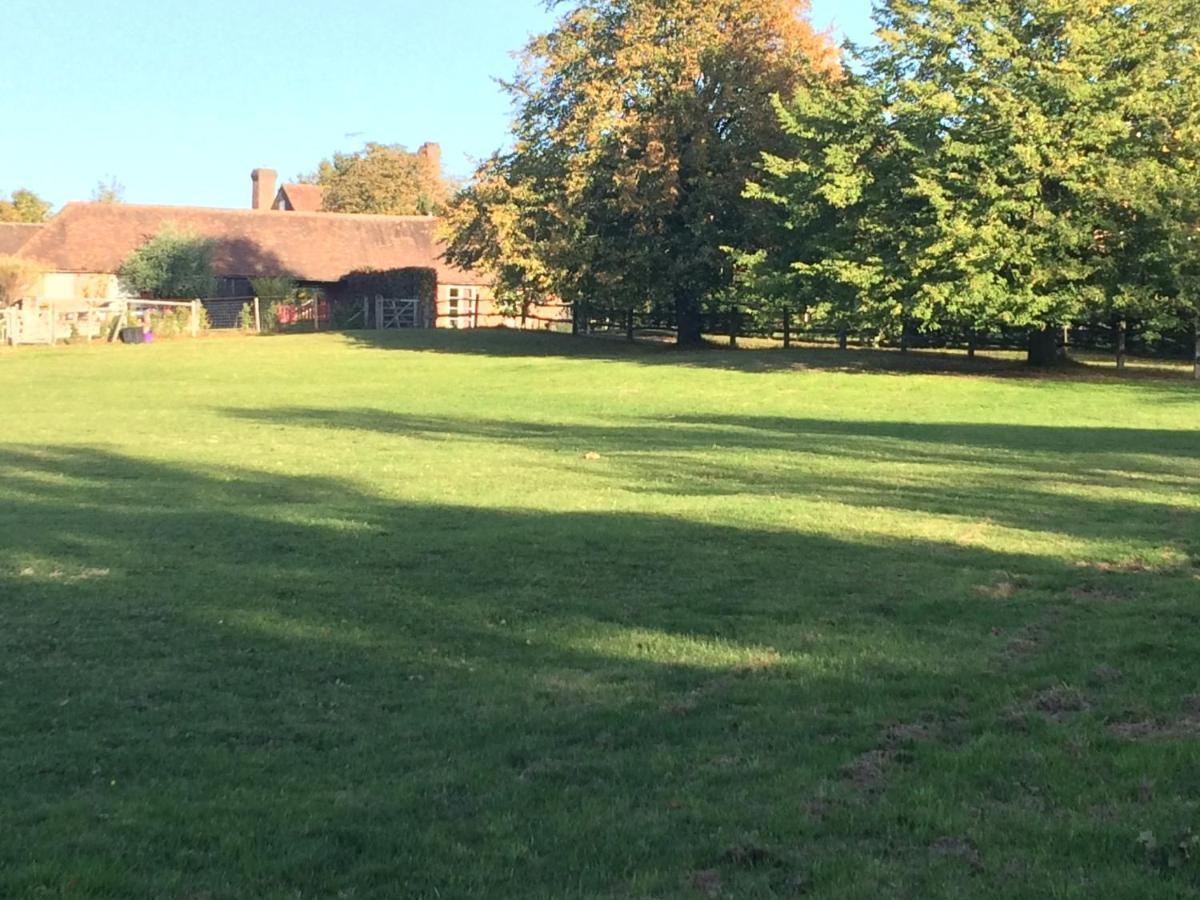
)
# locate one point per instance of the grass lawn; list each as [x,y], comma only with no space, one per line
[520,616]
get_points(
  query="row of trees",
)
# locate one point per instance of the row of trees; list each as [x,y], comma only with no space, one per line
[987,164]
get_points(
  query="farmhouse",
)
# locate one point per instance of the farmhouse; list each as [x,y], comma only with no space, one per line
[83,247]
[283,234]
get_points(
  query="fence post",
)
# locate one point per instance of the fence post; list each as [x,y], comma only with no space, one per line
[366,324]
[194,323]
[257,318]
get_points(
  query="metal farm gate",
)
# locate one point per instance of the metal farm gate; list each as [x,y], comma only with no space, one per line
[392,312]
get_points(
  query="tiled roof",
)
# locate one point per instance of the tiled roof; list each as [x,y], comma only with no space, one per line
[300,197]
[14,235]
[307,246]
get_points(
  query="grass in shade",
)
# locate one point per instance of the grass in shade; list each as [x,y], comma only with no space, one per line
[521,616]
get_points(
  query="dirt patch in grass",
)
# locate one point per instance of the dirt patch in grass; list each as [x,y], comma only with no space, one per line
[958,848]
[1028,640]
[1091,593]
[1170,560]
[1060,701]
[1003,589]
[706,882]
[1104,674]
[748,856]
[1186,725]
[869,770]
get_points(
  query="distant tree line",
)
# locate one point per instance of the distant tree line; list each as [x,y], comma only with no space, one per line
[985,166]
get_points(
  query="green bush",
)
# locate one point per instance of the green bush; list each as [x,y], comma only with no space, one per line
[173,264]
[275,289]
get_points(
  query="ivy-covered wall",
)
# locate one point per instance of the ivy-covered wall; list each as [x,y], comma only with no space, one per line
[406,283]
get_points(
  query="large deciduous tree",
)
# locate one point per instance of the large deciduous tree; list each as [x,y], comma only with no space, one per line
[384,179]
[637,125]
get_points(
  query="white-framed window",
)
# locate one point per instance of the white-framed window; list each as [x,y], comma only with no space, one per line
[462,306]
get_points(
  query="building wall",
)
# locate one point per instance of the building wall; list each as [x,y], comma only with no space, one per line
[473,306]
[77,288]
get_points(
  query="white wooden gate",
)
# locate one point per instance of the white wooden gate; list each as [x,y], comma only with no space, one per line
[393,312]
[30,326]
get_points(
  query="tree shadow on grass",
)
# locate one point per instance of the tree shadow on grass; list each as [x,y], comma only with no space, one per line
[503,343]
[229,683]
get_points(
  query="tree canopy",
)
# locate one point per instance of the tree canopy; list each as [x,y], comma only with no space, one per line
[637,124]
[1023,163]
[108,190]
[24,206]
[384,179]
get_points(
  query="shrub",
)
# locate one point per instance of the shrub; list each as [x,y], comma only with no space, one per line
[275,289]
[173,322]
[172,264]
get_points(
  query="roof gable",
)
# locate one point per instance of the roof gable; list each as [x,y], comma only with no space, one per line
[300,198]
[306,246]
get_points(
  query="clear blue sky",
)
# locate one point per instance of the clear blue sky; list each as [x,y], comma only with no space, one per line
[180,100]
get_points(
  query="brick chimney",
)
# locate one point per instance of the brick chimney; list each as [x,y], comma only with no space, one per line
[264,188]
[433,153]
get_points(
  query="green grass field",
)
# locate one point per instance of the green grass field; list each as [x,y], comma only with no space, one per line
[519,616]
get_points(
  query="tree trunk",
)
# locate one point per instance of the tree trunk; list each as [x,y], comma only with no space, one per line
[1043,347]
[972,343]
[843,339]
[1119,328]
[904,337]
[688,327]
[1196,351]
[787,329]
[629,325]
[575,318]
[735,321]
